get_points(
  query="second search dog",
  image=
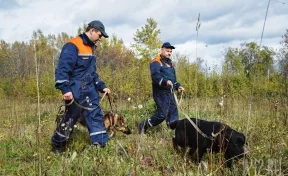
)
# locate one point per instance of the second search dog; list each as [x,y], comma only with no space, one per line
[113,122]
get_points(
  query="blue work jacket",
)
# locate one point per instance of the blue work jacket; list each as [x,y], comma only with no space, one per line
[162,70]
[76,70]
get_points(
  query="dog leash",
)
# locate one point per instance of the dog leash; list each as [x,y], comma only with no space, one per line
[110,102]
[61,112]
[111,121]
[83,107]
[193,124]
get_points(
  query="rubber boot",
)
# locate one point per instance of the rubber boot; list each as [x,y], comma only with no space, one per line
[142,127]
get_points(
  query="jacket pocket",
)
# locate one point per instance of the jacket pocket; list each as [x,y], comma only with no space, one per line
[84,61]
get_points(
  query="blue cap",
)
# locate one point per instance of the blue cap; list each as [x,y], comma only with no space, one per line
[167,45]
[98,25]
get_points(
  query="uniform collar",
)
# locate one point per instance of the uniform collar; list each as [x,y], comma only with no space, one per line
[166,60]
[87,41]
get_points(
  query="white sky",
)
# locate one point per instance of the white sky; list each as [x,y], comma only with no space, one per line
[224,23]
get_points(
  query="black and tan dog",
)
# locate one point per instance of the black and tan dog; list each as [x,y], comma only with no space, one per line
[113,122]
[215,136]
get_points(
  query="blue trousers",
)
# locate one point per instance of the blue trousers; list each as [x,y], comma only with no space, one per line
[166,108]
[93,118]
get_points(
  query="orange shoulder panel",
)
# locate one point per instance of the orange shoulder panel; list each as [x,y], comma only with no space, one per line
[157,59]
[82,49]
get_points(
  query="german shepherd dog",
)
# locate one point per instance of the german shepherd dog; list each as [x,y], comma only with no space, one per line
[216,136]
[113,122]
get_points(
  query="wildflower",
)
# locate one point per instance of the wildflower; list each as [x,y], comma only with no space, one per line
[140,106]
[2,136]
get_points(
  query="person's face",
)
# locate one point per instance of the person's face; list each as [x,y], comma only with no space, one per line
[95,35]
[166,52]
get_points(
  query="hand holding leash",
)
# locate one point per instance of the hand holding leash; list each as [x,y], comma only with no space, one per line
[169,83]
[180,89]
[106,90]
[68,96]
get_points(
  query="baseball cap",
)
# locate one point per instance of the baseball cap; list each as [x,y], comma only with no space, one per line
[167,45]
[98,25]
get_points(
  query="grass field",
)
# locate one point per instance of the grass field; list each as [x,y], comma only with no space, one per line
[264,122]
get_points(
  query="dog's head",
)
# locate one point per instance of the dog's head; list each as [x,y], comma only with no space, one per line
[116,121]
[236,143]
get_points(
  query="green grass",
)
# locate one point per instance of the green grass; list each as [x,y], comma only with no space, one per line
[151,154]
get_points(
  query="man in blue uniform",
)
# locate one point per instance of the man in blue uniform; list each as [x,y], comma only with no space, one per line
[164,83]
[79,83]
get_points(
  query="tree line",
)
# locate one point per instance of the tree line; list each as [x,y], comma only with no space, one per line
[247,70]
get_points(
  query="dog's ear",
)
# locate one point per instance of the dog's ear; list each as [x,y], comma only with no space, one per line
[239,138]
[111,114]
[244,139]
[106,115]
[116,117]
[121,119]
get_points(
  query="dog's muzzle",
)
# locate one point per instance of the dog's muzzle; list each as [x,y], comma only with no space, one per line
[127,131]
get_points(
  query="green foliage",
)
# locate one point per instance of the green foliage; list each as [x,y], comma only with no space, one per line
[2,93]
[236,85]
[7,87]
[82,29]
[247,70]
[212,85]
[283,63]
[147,43]
[196,82]
[17,153]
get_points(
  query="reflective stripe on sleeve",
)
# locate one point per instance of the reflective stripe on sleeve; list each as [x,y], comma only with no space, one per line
[149,123]
[61,81]
[82,54]
[160,82]
[61,135]
[95,133]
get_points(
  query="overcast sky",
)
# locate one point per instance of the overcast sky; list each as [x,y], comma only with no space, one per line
[224,23]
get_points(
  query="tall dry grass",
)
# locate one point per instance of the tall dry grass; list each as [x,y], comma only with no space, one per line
[263,122]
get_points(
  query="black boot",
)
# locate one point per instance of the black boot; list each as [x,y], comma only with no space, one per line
[142,127]
[58,148]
